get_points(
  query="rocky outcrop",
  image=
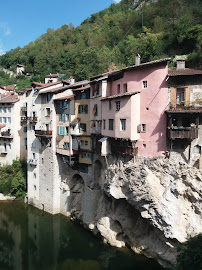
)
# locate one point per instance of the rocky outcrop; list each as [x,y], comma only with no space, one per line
[148,204]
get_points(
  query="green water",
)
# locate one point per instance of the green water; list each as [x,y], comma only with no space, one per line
[31,239]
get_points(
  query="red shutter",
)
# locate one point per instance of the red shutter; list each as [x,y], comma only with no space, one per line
[94,109]
[139,128]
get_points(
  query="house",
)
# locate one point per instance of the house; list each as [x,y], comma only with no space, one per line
[133,111]
[185,112]
[51,78]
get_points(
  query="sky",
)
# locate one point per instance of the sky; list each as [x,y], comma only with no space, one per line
[23,21]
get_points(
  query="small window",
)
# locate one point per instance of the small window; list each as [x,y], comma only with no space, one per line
[144,145]
[5,109]
[0,109]
[118,105]
[83,109]
[143,127]
[111,124]
[5,120]
[47,112]
[0,119]
[83,95]
[34,175]
[145,84]
[180,96]
[25,129]
[110,105]
[197,149]
[66,146]
[125,87]
[9,119]
[9,109]
[48,97]
[82,143]
[123,124]
[104,124]
[118,88]
[86,143]
[82,127]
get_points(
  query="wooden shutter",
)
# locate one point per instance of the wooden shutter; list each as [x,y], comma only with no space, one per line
[187,96]
[173,97]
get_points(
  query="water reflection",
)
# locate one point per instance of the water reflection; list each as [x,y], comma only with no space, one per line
[31,239]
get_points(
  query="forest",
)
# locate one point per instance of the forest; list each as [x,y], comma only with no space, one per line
[112,38]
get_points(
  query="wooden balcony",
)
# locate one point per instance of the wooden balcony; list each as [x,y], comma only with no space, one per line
[43,133]
[190,133]
[63,151]
[6,135]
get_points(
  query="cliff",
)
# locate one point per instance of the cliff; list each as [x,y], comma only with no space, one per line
[148,204]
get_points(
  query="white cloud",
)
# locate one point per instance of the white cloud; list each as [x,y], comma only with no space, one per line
[2,51]
[5,29]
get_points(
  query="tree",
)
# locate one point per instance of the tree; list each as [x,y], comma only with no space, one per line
[190,254]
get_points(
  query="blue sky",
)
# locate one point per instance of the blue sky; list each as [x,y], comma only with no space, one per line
[23,21]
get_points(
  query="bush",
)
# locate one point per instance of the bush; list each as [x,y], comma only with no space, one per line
[13,179]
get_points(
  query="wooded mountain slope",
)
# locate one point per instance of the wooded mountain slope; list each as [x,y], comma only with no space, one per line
[113,37]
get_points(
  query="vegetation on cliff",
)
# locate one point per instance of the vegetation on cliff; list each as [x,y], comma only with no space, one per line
[13,179]
[115,35]
[190,254]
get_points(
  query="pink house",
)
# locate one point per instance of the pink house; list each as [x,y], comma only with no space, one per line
[133,115]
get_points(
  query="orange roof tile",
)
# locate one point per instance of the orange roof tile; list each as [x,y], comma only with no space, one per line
[9,99]
[186,71]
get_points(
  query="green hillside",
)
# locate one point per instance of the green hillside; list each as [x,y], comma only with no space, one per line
[113,37]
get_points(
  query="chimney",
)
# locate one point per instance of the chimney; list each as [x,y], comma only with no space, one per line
[137,60]
[71,80]
[180,64]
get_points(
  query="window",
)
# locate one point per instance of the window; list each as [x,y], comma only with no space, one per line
[110,105]
[33,145]
[4,119]
[145,84]
[9,119]
[180,96]
[82,143]
[89,156]
[97,90]
[111,124]
[47,112]
[9,109]
[25,141]
[4,109]
[65,104]
[118,105]
[125,87]
[123,124]
[86,143]
[143,127]
[0,109]
[0,119]
[32,127]
[62,130]
[66,145]
[48,97]
[104,124]
[63,117]
[118,88]
[83,155]
[83,109]
[83,95]
[82,127]
[25,129]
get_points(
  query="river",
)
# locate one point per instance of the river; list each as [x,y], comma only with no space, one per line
[31,239]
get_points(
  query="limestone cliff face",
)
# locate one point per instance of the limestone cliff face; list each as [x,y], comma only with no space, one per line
[148,204]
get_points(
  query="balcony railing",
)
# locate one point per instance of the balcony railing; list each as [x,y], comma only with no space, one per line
[6,135]
[32,162]
[182,133]
[3,151]
[24,118]
[43,133]
[23,109]
[32,119]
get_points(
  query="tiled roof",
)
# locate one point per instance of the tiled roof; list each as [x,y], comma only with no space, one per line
[75,121]
[52,76]
[82,88]
[2,125]
[56,89]
[66,97]
[186,71]
[9,99]
[6,94]
[38,84]
[10,87]
[121,95]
